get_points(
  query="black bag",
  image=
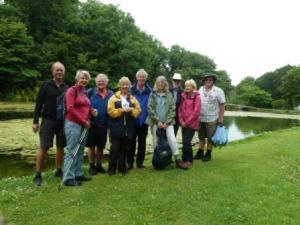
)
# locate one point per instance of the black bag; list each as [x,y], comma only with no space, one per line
[162,156]
[61,108]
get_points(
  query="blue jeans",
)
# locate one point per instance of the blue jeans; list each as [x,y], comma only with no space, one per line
[73,132]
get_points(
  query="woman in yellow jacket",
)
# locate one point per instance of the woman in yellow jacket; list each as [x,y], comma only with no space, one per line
[122,109]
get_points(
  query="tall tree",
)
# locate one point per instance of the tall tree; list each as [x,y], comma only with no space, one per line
[16,56]
[290,87]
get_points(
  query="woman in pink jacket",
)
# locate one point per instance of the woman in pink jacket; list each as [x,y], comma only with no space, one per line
[189,111]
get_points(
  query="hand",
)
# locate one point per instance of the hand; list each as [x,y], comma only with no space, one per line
[129,109]
[87,125]
[183,125]
[160,125]
[94,112]
[35,127]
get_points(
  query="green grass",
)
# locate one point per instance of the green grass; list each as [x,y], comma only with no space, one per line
[254,181]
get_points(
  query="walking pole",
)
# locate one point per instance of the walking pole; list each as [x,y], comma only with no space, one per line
[82,136]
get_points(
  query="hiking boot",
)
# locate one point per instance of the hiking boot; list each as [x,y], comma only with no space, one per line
[72,183]
[37,180]
[141,166]
[199,154]
[111,172]
[83,178]
[188,164]
[207,156]
[100,169]
[181,165]
[58,173]
[92,170]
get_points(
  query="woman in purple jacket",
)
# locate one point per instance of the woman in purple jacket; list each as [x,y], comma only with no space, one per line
[188,113]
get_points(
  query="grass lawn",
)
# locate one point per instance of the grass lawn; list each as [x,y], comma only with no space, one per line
[254,181]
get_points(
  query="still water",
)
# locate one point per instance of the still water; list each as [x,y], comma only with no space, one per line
[20,161]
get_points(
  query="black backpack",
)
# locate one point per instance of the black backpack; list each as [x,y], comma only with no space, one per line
[162,156]
[61,107]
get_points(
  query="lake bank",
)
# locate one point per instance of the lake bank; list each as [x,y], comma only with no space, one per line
[262,115]
[253,181]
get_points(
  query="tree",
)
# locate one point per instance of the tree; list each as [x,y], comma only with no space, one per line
[290,87]
[16,57]
[271,81]
[248,93]
[191,65]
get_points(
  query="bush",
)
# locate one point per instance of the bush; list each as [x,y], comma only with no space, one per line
[279,104]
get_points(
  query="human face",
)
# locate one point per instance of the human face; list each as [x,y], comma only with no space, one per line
[208,82]
[189,88]
[83,80]
[58,72]
[141,79]
[160,84]
[124,88]
[101,84]
[176,83]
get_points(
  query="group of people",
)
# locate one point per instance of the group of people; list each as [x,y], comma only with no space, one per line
[126,115]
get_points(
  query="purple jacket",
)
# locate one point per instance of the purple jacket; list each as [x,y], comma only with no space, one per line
[189,110]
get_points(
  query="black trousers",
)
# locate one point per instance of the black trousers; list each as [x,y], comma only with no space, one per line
[117,156]
[187,136]
[140,136]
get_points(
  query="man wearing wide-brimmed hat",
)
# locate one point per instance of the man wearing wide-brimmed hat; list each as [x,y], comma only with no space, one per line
[176,92]
[212,114]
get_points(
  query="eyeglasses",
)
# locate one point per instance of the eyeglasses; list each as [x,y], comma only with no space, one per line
[176,80]
[208,79]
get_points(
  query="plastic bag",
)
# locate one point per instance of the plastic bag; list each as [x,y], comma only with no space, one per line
[220,137]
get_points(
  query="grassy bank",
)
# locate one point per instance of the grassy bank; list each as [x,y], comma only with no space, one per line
[255,181]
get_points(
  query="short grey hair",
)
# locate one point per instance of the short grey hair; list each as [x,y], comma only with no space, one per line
[140,72]
[102,76]
[166,84]
[123,80]
[191,82]
[84,72]
[57,63]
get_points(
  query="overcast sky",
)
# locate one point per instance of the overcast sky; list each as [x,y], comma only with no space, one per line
[243,37]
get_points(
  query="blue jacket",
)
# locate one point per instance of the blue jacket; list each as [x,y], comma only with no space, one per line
[142,98]
[100,104]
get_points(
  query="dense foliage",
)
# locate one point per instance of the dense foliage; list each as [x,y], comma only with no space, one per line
[102,38]
[91,36]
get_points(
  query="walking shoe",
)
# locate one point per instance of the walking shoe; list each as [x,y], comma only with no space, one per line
[37,180]
[141,166]
[58,173]
[100,169]
[199,154]
[181,165]
[111,172]
[92,170]
[72,183]
[83,178]
[207,156]
[188,164]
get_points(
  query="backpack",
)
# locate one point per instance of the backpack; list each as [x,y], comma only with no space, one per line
[220,137]
[61,106]
[162,156]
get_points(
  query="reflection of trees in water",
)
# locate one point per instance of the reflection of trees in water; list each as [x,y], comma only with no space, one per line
[258,125]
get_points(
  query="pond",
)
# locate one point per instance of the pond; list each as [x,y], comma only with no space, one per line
[18,144]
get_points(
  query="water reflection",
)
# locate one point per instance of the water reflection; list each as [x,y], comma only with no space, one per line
[242,127]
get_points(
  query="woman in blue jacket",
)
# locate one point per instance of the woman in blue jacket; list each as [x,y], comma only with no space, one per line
[97,137]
